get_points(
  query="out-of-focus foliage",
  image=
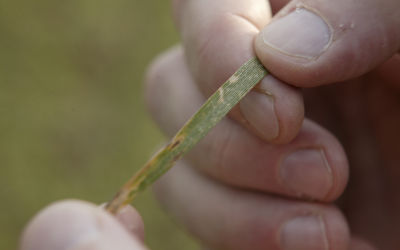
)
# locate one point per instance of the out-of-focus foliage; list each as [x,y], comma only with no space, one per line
[72,119]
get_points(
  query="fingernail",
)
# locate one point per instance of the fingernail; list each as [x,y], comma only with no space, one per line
[307,172]
[259,110]
[301,33]
[132,221]
[304,233]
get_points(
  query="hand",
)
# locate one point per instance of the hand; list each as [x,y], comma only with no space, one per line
[265,177]
[80,225]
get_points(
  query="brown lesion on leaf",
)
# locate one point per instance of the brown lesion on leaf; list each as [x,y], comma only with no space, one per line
[175,142]
[117,201]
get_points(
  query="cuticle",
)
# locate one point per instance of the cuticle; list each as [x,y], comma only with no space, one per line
[321,220]
[269,95]
[329,168]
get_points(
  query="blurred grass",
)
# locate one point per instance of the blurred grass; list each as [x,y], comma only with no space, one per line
[72,119]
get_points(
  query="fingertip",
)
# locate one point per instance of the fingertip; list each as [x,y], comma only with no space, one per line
[337,229]
[311,43]
[322,228]
[74,224]
[334,157]
[273,110]
[59,226]
[132,221]
[289,108]
[337,160]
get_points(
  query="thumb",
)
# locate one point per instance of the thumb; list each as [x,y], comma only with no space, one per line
[310,43]
[80,225]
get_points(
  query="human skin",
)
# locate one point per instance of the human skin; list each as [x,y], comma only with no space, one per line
[266,177]
[274,174]
[80,225]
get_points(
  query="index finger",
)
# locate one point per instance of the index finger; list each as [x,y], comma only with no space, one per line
[218,37]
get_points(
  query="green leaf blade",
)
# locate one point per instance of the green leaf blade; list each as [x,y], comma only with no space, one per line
[215,108]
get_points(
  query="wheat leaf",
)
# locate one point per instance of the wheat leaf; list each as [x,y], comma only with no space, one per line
[216,107]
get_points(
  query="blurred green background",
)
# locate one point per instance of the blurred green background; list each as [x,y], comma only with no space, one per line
[72,119]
